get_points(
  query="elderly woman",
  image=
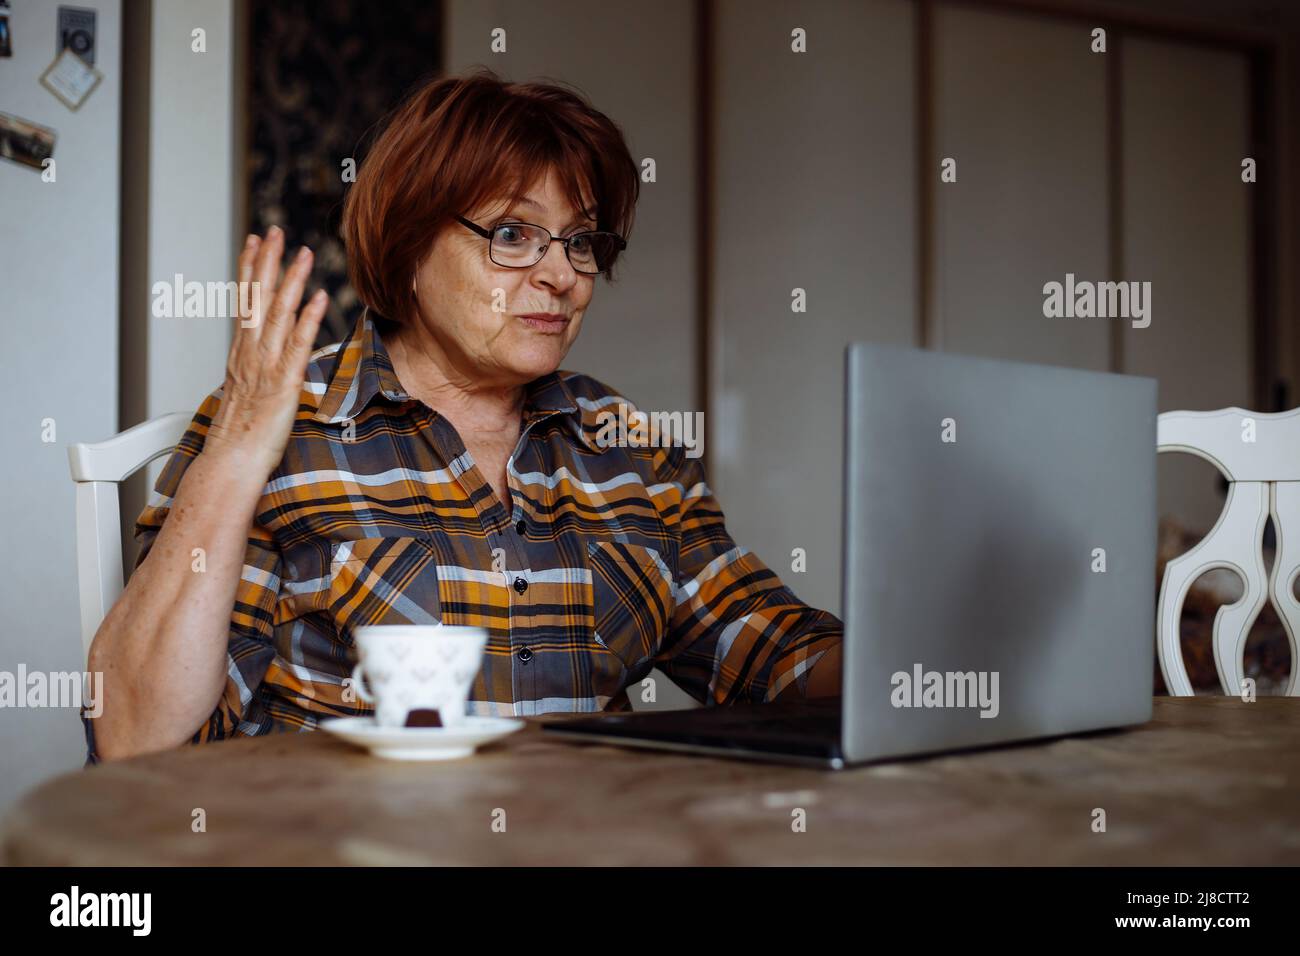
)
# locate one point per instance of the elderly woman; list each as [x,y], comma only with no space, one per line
[439,466]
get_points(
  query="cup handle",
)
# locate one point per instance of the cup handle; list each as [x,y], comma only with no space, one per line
[359,684]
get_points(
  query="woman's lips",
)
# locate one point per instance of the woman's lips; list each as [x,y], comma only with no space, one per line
[543,323]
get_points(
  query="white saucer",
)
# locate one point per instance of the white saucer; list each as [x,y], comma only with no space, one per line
[420,743]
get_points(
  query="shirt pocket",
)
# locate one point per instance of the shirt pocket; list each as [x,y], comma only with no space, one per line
[392,580]
[632,600]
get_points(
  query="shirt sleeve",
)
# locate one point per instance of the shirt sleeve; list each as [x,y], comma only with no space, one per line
[249,645]
[737,632]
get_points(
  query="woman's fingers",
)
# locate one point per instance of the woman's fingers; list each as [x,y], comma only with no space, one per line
[266,273]
[266,368]
[285,307]
[301,343]
[244,330]
[274,337]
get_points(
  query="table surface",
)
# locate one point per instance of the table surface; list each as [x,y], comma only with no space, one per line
[1209,781]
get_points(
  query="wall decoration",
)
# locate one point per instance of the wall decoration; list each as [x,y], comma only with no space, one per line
[71,79]
[25,142]
[76,32]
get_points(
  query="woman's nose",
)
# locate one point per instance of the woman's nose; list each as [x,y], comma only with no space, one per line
[554,266]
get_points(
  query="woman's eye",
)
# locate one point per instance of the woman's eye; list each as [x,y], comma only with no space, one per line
[580,242]
[508,233]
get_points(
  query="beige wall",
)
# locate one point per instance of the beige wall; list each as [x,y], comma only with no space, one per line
[1020,106]
[1187,231]
[1279,22]
[814,171]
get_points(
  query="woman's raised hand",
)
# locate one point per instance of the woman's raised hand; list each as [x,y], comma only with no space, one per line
[268,357]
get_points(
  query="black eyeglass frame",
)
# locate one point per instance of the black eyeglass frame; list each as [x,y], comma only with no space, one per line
[489,233]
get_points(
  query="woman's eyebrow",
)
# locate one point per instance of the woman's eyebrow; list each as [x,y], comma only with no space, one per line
[533,204]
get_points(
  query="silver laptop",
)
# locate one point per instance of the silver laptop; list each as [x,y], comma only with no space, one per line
[999,561]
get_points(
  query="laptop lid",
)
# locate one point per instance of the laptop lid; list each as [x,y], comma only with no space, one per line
[1000,551]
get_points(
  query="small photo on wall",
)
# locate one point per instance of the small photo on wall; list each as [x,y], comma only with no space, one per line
[25,142]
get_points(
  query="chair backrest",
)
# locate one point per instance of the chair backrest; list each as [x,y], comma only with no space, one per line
[97,470]
[1259,454]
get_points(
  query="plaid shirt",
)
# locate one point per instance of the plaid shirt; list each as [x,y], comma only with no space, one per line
[613,560]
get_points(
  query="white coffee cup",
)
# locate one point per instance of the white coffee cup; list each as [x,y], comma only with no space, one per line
[417,666]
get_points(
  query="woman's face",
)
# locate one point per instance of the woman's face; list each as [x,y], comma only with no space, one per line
[471,308]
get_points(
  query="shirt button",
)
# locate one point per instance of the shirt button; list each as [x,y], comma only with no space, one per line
[525,654]
[521,527]
[521,585]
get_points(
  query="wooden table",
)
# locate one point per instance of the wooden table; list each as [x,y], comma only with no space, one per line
[1210,780]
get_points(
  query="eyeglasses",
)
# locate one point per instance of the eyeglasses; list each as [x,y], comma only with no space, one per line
[518,245]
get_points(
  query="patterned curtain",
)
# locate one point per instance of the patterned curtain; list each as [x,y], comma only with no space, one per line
[323,72]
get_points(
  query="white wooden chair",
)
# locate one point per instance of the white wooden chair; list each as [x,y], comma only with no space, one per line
[97,470]
[1259,455]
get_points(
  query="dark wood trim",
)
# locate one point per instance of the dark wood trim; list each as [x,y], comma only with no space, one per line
[1115,179]
[134,172]
[1286,86]
[1186,29]
[134,134]
[242,80]
[705,18]
[926,172]
[1270,391]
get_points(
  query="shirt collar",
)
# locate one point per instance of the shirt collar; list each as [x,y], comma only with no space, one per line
[363,371]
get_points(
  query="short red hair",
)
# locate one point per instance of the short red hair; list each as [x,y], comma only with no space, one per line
[457,142]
